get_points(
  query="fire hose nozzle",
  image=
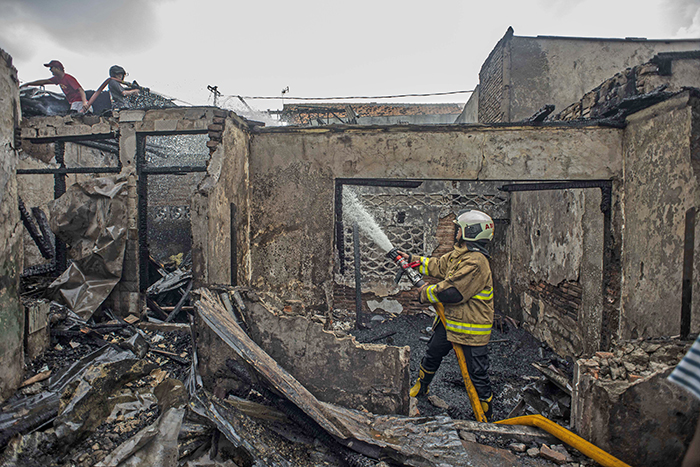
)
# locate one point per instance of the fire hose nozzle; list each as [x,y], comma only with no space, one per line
[393,254]
[406,268]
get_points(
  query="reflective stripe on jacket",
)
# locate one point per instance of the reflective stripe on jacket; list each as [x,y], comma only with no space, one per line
[469,321]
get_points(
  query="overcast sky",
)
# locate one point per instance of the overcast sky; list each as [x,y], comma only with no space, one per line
[316,48]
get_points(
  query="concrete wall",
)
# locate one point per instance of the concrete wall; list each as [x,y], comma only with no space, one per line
[556,267]
[623,403]
[470,114]
[558,70]
[11,311]
[338,370]
[660,186]
[435,119]
[226,183]
[128,126]
[293,173]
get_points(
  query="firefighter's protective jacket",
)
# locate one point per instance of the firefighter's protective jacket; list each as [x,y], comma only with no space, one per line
[470,319]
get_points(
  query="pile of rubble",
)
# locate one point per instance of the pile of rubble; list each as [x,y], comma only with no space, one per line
[634,360]
[112,391]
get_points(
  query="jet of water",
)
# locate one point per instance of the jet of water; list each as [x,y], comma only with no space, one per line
[354,211]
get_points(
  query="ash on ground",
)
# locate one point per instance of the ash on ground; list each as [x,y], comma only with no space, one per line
[511,354]
[516,383]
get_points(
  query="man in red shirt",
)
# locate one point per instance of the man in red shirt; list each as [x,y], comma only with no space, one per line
[69,85]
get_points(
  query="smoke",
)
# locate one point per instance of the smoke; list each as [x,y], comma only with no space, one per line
[84,25]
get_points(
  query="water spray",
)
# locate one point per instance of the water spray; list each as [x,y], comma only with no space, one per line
[357,213]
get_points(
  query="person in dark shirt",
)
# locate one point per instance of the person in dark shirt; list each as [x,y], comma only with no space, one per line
[74,92]
[117,92]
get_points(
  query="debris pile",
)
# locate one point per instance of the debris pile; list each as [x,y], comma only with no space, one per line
[527,377]
[631,361]
[168,297]
[146,99]
[109,391]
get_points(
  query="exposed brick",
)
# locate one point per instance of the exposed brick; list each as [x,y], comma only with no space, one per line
[215,127]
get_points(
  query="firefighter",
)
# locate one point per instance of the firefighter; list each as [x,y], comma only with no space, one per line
[466,291]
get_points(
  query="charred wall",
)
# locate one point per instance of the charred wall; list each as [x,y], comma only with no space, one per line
[522,74]
[670,72]
[556,260]
[293,173]
[220,209]
[164,148]
[660,190]
[11,311]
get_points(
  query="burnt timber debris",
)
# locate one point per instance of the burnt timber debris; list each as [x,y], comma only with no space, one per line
[145,379]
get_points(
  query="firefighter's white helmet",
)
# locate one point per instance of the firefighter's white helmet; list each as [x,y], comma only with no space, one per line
[474,225]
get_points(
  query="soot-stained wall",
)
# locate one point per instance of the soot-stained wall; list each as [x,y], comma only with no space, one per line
[522,74]
[293,173]
[660,187]
[220,212]
[556,267]
[11,311]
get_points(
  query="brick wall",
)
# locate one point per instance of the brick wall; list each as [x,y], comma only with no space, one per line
[564,297]
[491,86]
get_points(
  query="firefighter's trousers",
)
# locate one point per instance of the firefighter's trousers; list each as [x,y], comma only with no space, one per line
[477,358]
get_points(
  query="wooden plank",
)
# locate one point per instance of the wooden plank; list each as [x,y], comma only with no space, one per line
[153,306]
[177,308]
[411,441]
[524,434]
[560,380]
[212,311]
[164,327]
[36,378]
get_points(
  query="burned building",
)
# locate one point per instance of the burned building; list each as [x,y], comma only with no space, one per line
[522,74]
[594,210]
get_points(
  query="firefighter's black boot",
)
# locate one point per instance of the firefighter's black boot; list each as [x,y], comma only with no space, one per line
[421,386]
[487,407]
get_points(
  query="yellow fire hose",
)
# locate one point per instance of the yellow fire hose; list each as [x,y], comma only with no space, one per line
[471,390]
[586,448]
[561,433]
